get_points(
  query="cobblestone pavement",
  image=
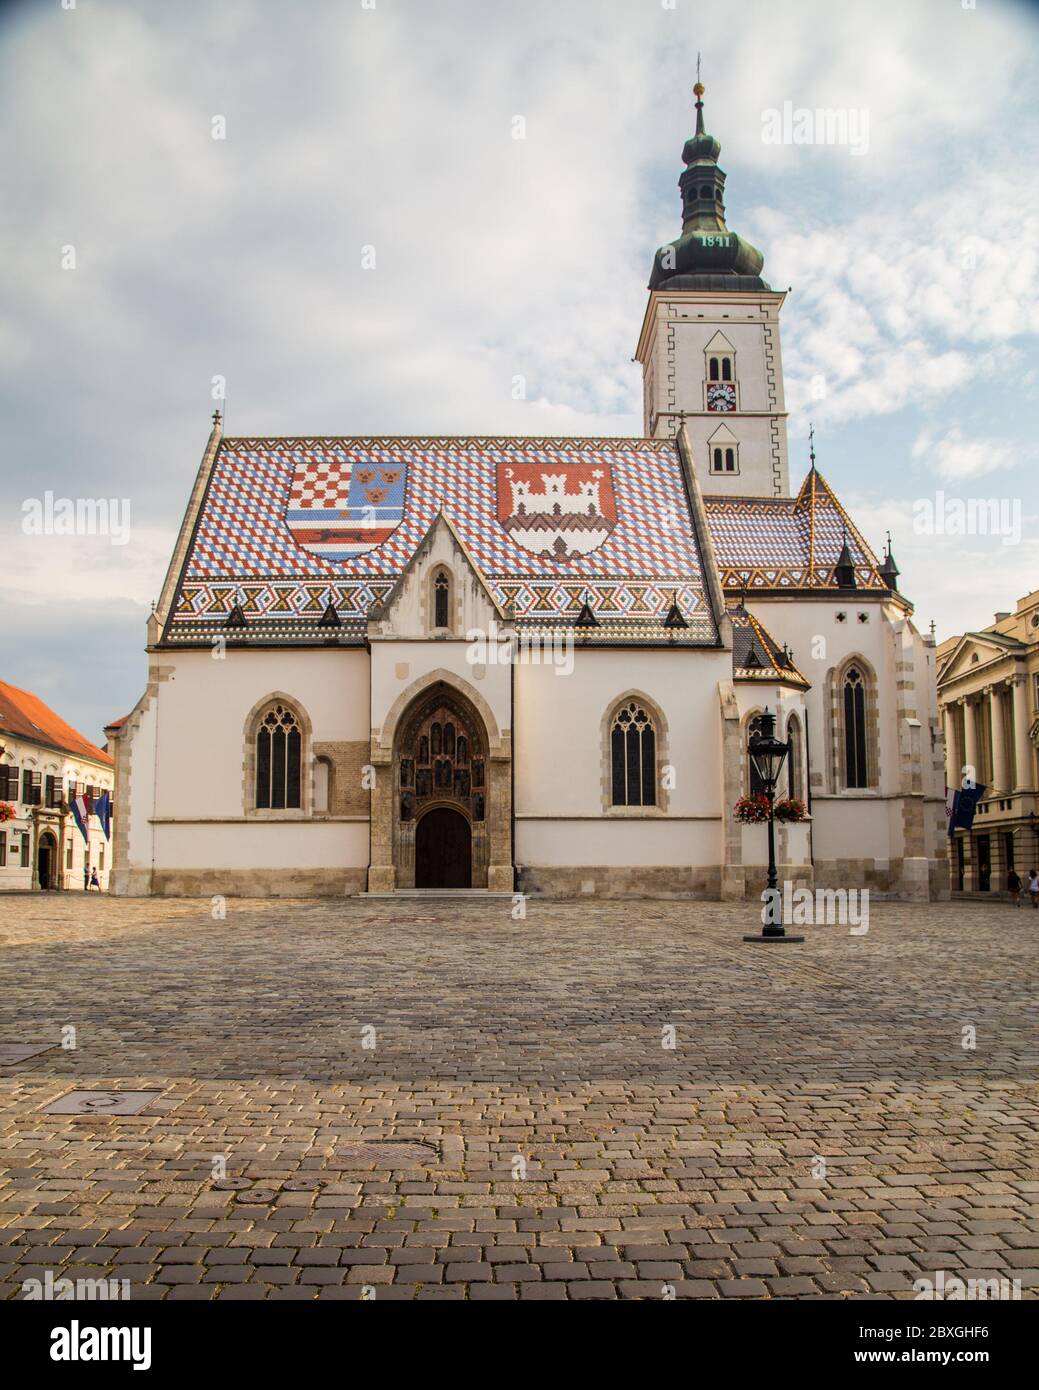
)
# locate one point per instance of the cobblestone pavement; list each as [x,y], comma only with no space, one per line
[818,1128]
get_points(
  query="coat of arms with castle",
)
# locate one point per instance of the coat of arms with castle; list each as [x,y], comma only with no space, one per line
[556,509]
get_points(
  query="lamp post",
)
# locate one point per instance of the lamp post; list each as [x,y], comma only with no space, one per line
[768,754]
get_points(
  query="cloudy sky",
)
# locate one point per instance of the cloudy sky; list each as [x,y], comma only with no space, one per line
[909,335]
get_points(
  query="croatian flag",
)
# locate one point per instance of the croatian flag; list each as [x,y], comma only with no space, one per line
[82,809]
[103,811]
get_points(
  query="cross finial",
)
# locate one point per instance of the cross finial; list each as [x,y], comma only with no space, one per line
[698,90]
[811,443]
[216,417]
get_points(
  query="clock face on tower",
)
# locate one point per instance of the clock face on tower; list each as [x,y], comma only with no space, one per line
[721,395]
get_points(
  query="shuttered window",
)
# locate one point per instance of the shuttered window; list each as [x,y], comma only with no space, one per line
[32,787]
[53,791]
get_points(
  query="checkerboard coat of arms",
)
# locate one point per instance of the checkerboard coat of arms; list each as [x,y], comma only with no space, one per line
[556,509]
[343,507]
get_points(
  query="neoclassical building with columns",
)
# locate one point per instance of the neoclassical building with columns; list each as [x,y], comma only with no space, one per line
[382,664]
[988,693]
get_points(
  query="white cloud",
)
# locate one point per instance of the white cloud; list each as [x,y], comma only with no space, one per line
[955,458]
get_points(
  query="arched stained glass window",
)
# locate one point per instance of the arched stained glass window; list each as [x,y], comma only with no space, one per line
[441,593]
[856,773]
[633,757]
[279,750]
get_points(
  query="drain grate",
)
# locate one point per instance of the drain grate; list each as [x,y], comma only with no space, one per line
[100,1103]
[393,1153]
[10,1053]
[256,1196]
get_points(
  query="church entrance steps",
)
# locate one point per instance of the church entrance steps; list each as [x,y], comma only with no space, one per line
[466,895]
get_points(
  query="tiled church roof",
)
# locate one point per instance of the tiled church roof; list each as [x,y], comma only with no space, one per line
[289,526]
[787,542]
[756,655]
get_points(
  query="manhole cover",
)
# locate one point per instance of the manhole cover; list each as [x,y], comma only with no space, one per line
[100,1103]
[393,1153]
[21,1052]
[232,1184]
[302,1184]
[258,1195]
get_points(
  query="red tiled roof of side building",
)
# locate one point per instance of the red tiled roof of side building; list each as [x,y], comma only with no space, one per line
[24,715]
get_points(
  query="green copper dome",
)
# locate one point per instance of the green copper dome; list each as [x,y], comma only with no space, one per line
[707,256]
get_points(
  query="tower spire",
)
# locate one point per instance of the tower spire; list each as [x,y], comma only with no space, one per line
[707,256]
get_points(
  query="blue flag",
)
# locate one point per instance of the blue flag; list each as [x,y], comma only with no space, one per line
[964,804]
[103,811]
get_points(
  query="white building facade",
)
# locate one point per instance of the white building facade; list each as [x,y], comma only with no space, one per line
[533,665]
[44,766]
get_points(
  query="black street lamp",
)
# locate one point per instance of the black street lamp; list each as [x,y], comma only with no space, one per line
[768,754]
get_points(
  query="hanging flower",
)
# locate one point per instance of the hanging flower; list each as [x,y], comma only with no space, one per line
[790,808]
[7,811]
[751,810]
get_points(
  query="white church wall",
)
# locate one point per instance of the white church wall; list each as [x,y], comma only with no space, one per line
[565,823]
[205,704]
[135,795]
[860,835]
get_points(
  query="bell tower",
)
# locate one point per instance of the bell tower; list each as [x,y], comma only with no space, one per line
[709,345]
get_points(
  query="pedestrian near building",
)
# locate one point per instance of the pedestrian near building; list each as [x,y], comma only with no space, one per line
[1014,887]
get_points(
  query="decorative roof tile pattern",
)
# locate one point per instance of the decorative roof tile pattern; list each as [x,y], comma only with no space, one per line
[24,715]
[787,542]
[290,525]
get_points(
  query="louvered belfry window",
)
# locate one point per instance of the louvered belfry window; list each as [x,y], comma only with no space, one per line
[633,755]
[279,752]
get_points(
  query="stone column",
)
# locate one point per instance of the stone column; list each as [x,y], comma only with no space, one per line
[970,742]
[1022,743]
[1001,780]
[949,730]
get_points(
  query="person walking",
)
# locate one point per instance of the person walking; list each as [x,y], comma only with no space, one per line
[1033,887]
[1014,886]
[86,875]
[95,882]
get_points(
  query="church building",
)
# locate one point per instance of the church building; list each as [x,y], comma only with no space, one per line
[533,665]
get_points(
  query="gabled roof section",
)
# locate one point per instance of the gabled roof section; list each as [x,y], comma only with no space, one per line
[289,525]
[994,645]
[788,543]
[24,715]
[381,610]
[756,655]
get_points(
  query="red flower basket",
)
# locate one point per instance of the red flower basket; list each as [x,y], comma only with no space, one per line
[752,810]
[791,808]
[7,811]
